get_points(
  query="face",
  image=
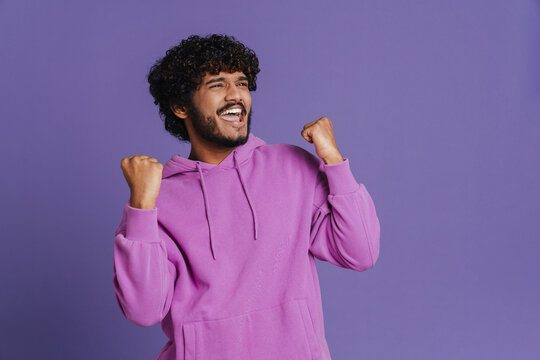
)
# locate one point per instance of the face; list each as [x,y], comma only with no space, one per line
[221,109]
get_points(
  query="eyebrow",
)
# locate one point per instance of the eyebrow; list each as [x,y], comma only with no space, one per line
[223,79]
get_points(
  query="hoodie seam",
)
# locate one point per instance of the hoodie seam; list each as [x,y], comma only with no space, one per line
[346,193]
[365,230]
[247,313]
[161,275]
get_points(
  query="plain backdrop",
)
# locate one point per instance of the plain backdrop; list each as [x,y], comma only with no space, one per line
[435,103]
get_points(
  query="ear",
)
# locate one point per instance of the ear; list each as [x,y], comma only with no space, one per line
[179,111]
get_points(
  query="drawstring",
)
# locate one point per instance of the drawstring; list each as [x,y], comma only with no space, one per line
[207,206]
[247,195]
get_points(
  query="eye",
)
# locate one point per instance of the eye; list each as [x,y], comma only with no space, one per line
[215,85]
[244,84]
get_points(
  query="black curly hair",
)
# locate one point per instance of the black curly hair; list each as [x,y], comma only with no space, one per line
[175,77]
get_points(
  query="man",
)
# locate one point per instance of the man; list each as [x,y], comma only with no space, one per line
[219,247]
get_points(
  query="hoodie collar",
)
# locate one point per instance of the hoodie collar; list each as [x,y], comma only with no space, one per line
[178,164]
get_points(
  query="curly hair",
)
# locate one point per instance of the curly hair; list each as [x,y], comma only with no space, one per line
[174,78]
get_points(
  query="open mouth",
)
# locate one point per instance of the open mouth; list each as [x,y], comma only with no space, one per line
[233,115]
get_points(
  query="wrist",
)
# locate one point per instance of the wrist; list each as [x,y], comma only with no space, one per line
[142,203]
[334,159]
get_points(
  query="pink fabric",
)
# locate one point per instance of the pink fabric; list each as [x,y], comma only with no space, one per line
[226,259]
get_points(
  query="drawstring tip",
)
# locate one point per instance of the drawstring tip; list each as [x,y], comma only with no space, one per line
[212,250]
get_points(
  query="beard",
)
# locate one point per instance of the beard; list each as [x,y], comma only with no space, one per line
[206,128]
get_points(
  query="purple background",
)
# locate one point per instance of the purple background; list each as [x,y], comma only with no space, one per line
[436,103]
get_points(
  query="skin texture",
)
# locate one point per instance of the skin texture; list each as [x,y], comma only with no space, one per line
[213,138]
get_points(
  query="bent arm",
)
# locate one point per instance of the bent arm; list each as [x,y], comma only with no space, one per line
[345,230]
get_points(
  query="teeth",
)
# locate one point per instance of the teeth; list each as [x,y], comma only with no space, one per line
[232,111]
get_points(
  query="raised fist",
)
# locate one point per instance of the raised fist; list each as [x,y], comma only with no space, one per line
[143,175]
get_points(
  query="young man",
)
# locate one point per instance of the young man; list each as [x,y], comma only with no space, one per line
[219,247]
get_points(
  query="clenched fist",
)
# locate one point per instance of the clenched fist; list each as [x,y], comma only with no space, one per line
[143,175]
[321,134]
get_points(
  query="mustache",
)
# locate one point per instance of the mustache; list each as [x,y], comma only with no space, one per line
[230,106]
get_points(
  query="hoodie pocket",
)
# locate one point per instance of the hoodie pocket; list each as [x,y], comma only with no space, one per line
[281,332]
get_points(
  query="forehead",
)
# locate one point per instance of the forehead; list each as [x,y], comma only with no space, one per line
[223,74]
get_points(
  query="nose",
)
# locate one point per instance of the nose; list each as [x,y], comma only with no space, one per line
[233,93]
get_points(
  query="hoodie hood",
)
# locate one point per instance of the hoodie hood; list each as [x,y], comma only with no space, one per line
[240,155]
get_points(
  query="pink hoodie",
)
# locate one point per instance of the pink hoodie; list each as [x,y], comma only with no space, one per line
[226,259]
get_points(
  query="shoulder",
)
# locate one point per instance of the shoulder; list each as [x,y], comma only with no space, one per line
[293,156]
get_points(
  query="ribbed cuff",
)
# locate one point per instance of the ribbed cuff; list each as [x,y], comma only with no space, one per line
[340,178]
[141,224]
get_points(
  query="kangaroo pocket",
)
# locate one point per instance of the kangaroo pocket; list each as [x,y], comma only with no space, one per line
[285,331]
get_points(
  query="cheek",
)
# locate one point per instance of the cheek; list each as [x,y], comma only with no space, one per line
[208,103]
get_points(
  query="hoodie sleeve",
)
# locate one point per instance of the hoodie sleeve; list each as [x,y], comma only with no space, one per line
[143,276]
[345,229]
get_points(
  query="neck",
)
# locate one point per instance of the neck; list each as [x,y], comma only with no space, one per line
[208,153]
